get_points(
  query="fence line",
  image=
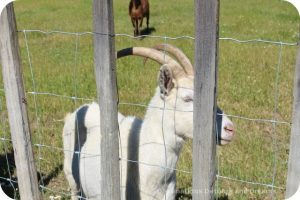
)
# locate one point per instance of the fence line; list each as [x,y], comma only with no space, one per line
[273,121]
[256,40]
[161,108]
[276,103]
[16,105]
[153,107]
[147,164]
[35,105]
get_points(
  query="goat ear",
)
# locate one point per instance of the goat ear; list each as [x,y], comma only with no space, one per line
[165,80]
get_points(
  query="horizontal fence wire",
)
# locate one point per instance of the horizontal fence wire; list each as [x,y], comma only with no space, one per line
[75,97]
[162,37]
[147,164]
[153,107]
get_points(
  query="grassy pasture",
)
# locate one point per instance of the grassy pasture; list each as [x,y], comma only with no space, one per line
[63,65]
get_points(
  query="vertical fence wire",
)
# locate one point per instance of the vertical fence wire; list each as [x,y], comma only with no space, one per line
[75,69]
[276,104]
[163,132]
[79,145]
[36,110]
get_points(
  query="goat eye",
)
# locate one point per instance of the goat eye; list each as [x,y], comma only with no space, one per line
[187,99]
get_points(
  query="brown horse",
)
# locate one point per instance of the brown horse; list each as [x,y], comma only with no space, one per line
[138,9]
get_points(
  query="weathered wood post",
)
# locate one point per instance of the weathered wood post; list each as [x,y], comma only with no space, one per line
[105,69]
[204,141]
[293,178]
[16,106]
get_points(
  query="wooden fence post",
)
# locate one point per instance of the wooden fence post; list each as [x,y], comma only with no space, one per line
[16,106]
[204,141]
[293,178]
[105,69]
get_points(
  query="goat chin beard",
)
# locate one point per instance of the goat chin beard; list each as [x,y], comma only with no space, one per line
[224,142]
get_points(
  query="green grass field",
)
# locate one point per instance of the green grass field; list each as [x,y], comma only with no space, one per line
[248,72]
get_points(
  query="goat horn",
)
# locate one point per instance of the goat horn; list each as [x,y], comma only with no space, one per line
[155,55]
[179,55]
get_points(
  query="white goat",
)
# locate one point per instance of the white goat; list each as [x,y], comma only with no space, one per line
[155,143]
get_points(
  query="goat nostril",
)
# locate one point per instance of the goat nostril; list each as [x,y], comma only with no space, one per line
[229,129]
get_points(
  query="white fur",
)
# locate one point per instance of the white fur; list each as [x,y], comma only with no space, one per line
[156,145]
[296,196]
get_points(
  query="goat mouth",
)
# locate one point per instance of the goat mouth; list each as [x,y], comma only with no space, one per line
[229,129]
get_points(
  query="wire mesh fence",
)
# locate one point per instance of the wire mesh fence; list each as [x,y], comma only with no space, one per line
[254,90]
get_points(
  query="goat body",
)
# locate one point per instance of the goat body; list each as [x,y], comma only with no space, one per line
[295,196]
[138,9]
[148,149]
